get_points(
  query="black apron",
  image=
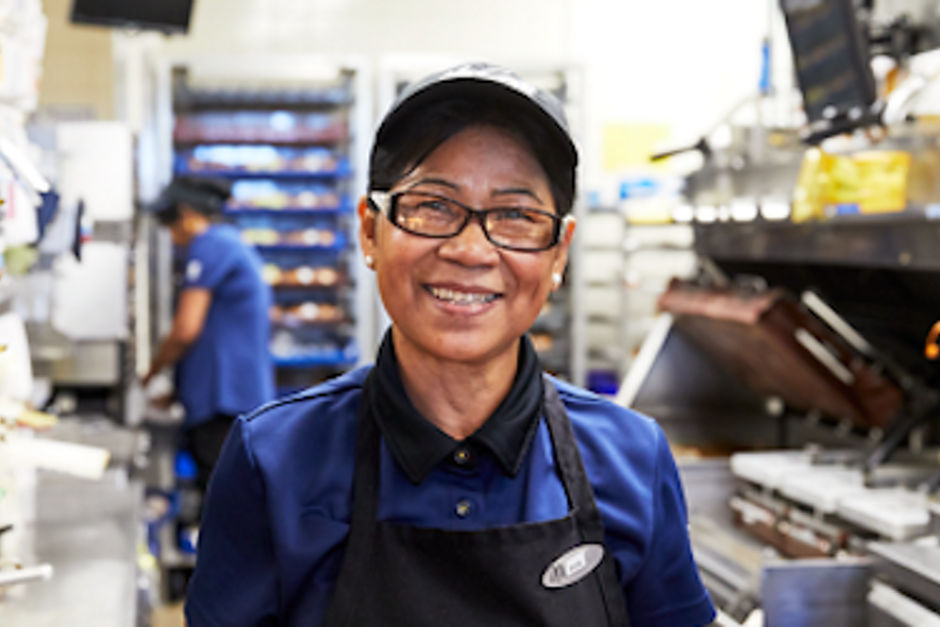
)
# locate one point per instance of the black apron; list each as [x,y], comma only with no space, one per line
[400,575]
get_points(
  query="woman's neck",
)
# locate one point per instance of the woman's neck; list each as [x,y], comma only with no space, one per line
[456,397]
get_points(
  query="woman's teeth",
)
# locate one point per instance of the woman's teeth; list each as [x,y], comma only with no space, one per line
[462,298]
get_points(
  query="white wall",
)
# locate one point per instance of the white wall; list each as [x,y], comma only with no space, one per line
[683,63]
[477,28]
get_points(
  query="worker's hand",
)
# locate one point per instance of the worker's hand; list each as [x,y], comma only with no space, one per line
[157,389]
[162,402]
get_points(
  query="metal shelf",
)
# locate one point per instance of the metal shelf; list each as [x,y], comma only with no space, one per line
[286,288]
[901,243]
[290,212]
[300,248]
[331,325]
[328,98]
[274,175]
[326,140]
[330,359]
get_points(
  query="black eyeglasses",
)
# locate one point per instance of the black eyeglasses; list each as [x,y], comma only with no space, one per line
[430,215]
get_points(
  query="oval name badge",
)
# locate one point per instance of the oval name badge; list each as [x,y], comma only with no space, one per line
[573,565]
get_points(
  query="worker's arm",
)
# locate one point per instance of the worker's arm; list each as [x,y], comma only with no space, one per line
[187,325]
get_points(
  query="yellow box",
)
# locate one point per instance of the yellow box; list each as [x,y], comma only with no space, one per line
[872,181]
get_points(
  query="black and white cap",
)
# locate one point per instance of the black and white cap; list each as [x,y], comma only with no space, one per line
[205,195]
[485,82]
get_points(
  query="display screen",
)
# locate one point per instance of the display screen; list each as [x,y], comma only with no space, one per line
[830,55]
[165,15]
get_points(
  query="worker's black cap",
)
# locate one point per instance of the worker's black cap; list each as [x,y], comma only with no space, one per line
[206,195]
[486,83]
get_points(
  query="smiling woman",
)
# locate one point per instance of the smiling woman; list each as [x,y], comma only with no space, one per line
[453,483]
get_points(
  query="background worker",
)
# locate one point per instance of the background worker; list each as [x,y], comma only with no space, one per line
[219,337]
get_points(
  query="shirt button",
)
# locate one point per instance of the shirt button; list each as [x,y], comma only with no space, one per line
[462,456]
[463,508]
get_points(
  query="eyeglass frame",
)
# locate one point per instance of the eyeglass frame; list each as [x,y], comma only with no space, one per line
[377,198]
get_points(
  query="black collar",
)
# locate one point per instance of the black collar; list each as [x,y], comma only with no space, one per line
[418,445]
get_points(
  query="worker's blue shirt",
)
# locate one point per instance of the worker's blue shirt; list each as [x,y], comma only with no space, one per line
[272,537]
[227,370]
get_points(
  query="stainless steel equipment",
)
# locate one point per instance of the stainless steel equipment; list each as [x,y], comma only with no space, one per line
[839,497]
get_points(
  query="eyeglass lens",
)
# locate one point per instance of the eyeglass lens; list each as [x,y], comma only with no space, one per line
[512,227]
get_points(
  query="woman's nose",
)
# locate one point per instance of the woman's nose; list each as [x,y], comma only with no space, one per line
[470,246]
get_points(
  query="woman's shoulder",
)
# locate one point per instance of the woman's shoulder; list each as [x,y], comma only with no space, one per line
[626,442]
[218,238]
[586,408]
[216,242]
[315,415]
[324,395]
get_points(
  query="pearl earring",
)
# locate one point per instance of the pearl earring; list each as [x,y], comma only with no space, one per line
[369,261]
[556,279]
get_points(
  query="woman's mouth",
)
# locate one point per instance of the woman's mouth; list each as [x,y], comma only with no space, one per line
[457,297]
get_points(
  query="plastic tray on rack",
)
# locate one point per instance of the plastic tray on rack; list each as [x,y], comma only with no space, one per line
[769,468]
[822,487]
[895,513]
[300,248]
[336,357]
[340,171]
[340,209]
[248,194]
[281,128]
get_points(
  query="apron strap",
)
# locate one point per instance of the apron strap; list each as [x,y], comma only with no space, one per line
[361,536]
[581,497]
[366,474]
[571,468]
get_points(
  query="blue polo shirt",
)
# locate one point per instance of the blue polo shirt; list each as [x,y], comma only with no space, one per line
[228,369]
[273,531]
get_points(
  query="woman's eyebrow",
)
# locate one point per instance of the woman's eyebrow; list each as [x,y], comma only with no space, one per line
[435,181]
[514,191]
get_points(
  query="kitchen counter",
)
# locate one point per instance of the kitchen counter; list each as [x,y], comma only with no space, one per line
[89,532]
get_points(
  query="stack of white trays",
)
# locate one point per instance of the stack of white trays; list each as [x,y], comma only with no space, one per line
[895,513]
[769,468]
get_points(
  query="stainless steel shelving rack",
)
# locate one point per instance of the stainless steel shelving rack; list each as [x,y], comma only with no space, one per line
[287,152]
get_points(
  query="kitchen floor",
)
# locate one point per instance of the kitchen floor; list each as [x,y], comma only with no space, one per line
[169,616]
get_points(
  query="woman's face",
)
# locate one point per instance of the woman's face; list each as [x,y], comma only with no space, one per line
[188,225]
[426,283]
[178,233]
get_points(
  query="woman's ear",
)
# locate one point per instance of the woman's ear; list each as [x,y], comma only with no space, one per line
[366,227]
[564,243]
